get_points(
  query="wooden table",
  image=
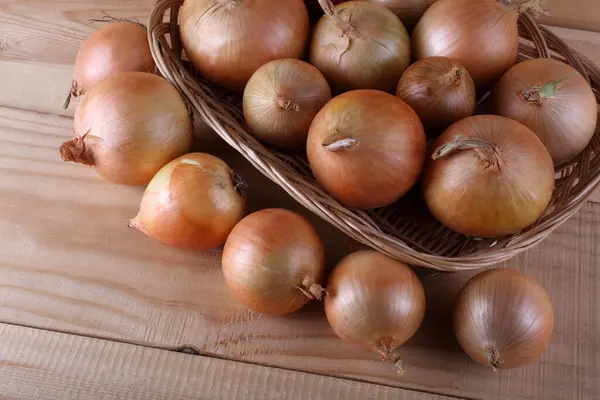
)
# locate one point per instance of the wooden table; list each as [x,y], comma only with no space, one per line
[90,309]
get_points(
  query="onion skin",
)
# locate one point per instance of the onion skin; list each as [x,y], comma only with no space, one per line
[484,36]
[281,100]
[564,117]
[273,262]
[440,91]
[366,148]
[493,190]
[503,319]
[369,52]
[375,302]
[409,11]
[228,40]
[128,127]
[193,203]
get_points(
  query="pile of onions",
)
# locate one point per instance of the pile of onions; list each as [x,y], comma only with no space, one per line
[366,148]
[409,11]
[117,47]
[489,176]
[480,34]
[228,40]
[554,101]
[440,91]
[193,203]
[273,262]
[375,302]
[503,319]
[281,100]
[360,45]
[128,127]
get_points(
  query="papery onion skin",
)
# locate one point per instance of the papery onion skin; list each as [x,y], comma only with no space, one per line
[115,48]
[409,11]
[480,34]
[192,203]
[440,91]
[128,127]
[366,148]
[565,121]
[228,40]
[369,52]
[492,190]
[281,100]
[375,302]
[503,319]
[273,262]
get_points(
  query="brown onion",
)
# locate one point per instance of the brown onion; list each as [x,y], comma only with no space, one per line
[228,40]
[117,47]
[192,203]
[554,101]
[360,45]
[489,176]
[281,100]
[375,302]
[128,127]
[480,34]
[503,319]
[440,91]
[273,262]
[366,148]
[409,11]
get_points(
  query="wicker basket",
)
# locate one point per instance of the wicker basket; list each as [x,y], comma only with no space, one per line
[404,230]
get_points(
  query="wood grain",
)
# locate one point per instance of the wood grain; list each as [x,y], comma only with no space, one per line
[69,263]
[43,365]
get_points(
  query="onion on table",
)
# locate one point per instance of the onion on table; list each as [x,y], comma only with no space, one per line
[488,176]
[366,148]
[228,40]
[375,302]
[282,99]
[128,127]
[554,101]
[192,203]
[503,319]
[273,262]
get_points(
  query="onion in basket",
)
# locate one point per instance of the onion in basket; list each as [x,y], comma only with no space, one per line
[128,127]
[440,91]
[281,100]
[489,176]
[273,262]
[192,203]
[360,45]
[228,40]
[376,302]
[366,148]
[503,319]
[554,101]
[117,47]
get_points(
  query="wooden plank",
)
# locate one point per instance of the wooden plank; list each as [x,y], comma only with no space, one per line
[44,365]
[69,263]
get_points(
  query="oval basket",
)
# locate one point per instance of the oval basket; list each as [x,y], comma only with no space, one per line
[404,230]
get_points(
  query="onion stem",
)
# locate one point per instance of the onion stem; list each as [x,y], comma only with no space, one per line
[494,358]
[534,7]
[287,105]
[548,90]
[388,355]
[311,289]
[75,151]
[337,143]
[345,26]
[480,146]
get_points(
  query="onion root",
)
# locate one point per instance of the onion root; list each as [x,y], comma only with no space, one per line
[494,358]
[75,151]
[311,289]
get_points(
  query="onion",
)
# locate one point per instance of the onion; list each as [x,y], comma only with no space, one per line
[117,47]
[554,101]
[440,91]
[366,148]
[489,176]
[273,262]
[360,45]
[409,11]
[281,100]
[193,203]
[375,302]
[503,319]
[228,40]
[480,34]
[128,127]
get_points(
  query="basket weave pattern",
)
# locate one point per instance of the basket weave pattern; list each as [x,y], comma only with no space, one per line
[404,230]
